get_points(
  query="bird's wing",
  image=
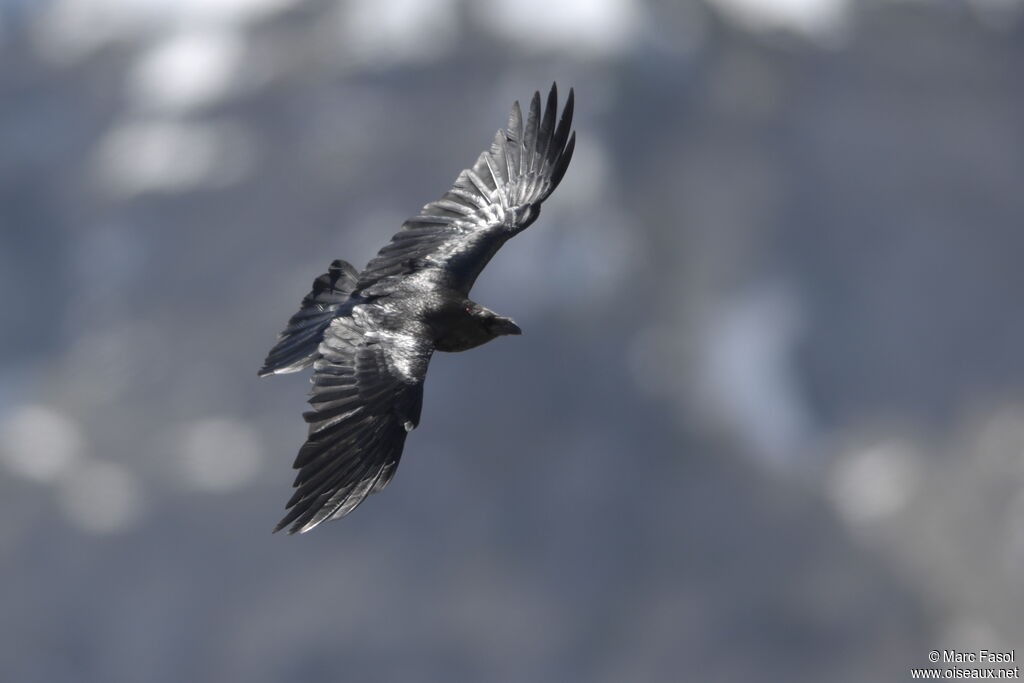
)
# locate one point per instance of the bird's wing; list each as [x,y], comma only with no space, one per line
[497,197]
[296,347]
[367,394]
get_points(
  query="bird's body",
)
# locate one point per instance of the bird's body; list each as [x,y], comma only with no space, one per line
[369,335]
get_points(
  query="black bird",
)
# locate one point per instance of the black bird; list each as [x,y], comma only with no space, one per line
[369,336]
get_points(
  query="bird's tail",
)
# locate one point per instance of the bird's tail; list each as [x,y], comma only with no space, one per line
[296,347]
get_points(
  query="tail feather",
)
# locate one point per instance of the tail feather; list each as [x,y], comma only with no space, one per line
[296,347]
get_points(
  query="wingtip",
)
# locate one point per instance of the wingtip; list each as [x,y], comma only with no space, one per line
[299,528]
[563,161]
[514,129]
[295,527]
[553,95]
[569,109]
[269,370]
[271,367]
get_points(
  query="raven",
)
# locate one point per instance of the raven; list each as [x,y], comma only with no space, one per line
[369,336]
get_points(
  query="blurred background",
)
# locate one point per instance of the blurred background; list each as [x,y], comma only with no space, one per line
[766,421]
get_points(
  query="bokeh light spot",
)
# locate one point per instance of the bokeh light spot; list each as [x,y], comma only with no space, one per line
[38,443]
[873,483]
[100,497]
[219,454]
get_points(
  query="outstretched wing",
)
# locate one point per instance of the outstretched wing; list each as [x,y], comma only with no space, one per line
[367,394]
[488,204]
[296,346]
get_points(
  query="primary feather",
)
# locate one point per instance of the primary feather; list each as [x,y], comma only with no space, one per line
[497,197]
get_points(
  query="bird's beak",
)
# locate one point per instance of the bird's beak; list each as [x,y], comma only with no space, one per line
[506,326]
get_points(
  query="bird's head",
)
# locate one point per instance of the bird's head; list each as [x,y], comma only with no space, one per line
[493,324]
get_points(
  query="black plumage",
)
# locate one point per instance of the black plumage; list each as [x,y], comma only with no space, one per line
[369,336]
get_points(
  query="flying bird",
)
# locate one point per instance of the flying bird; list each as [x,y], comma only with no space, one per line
[369,335]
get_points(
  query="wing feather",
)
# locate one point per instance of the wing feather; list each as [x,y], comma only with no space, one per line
[363,400]
[530,135]
[296,347]
[489,202]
